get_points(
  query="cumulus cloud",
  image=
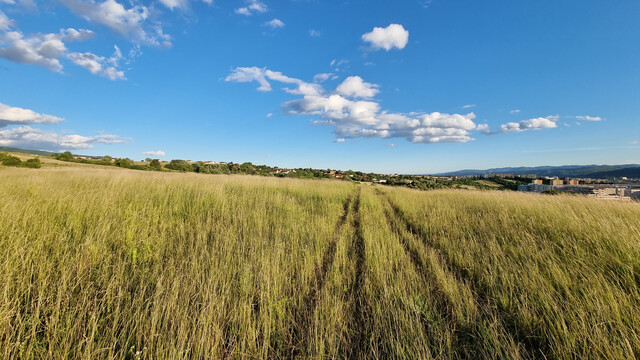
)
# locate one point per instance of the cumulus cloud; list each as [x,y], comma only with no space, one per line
[39,49]
[275,23]
[254,6]
[100,65]
[33,138]
[47,49]
[354,86]
[393,36]
[589,118]
[28,137]
[10,115]
[530,124]
[351,112]
[154,153]
[132,23]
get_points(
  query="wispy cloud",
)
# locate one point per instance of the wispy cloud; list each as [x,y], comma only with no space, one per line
[154,153]
[275,23]
[589,118]
[469,106]
[253,7]
[514,111]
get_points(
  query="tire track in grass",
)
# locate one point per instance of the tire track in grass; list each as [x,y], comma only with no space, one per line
[534,346]
[442,304]
[303,315]
[357,341]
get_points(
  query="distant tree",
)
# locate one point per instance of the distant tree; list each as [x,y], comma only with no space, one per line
[107,158]
[147,160]
[124,162]
[65,156]
[33,163]
[155,164]
[179,165]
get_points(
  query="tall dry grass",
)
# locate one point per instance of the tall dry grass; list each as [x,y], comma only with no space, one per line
[118,264]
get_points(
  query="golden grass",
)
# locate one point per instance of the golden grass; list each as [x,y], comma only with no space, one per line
[112,263]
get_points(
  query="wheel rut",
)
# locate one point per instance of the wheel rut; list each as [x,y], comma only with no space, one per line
[358,334]
[533,346]
[303,315]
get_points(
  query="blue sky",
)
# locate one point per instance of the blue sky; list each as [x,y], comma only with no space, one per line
[398,87]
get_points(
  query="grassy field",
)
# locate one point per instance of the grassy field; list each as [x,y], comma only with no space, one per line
[111,263]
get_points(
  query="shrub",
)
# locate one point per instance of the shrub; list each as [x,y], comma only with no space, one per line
[8,160]
[124,162]
[180,165]
[33,163]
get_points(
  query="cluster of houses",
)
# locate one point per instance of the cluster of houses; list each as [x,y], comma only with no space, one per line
[620,191]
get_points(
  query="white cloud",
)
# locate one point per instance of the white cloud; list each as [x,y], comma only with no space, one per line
[514,111]
[262,76]
[354,86]
[387,38]
[47,49]
[39,49]
[469,106]
[10,115]
[531,124]
[255,6]
[340,140]
[154,153]
[269,115]
[318,78]
[589,118]
[314,33]
[5,22]
[275,23]
[72,35]
[28,137]
[349,110]
[99,65]
[131,23]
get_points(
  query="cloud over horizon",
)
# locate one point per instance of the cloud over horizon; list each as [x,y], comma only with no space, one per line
[29,137]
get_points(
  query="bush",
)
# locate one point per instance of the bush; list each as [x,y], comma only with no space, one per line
[33,163]
[180,165]
[124,162]
[8,160]
[65,156]
[155,165]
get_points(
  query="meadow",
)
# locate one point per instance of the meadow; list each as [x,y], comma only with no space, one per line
[109,263]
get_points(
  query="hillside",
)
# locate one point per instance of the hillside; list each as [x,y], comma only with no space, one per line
[103,262]
[24,151]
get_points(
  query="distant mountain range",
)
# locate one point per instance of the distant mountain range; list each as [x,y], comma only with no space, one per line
[579,171]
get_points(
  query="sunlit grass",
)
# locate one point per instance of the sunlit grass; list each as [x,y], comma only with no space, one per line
[112,263]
